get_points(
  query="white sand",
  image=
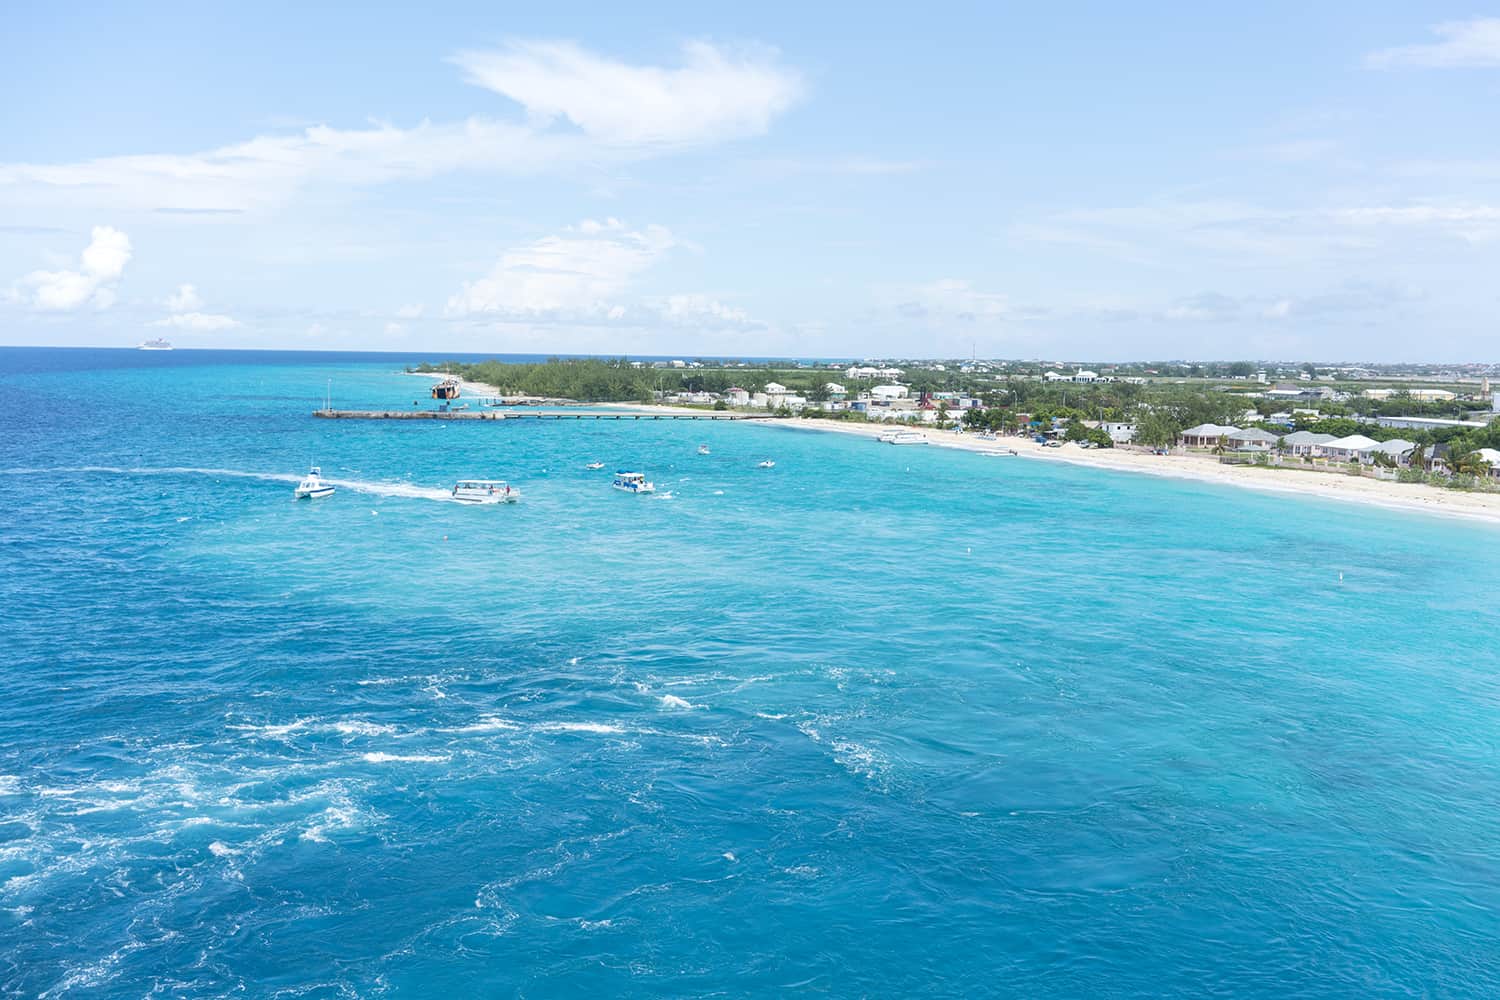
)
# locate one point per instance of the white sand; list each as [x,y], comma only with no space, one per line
[1200,468]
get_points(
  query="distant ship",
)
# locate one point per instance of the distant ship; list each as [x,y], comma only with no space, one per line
[155,345]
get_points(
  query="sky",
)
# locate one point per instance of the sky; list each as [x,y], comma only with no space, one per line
[1070,180]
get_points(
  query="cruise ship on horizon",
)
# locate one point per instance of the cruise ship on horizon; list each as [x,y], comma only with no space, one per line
[155,345]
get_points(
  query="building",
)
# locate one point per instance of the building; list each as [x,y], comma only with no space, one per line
[1252,439]
[1428,423]
[1396,450]
[889,392]
[1354,448]
[1492,459]
[836,391]
[737,396]
[1206,435]
[776,389]
[1420,395]
[1085,376]
[1305,443]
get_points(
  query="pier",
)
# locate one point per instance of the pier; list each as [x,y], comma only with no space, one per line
[481,415]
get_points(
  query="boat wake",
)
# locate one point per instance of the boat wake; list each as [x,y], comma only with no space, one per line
[407,490]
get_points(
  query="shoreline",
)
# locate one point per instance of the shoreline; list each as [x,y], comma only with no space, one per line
[1404,497]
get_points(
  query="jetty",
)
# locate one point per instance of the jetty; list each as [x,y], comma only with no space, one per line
[481,415]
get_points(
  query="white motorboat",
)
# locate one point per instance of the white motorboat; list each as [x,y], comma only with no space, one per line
[633,482]
[485,491]
[155,345]
[703,449]
[767,464]
[312,486]
[903,437]
[594,465]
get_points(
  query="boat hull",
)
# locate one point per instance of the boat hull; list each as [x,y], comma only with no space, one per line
[314,494]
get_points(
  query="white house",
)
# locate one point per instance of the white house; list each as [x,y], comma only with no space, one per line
[1492,459]
[1251,439]
[1306,443]
[889,392]
[835,390]
[737,396]
[1056,377]
[1085,376]
[775,389]
[1206,435]
[1354,448]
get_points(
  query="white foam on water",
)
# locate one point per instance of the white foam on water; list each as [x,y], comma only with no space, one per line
[412,758]
[219,849]
[374,488]
[578,727]
[674,703]
[359,727]
[488,724]
[10,784]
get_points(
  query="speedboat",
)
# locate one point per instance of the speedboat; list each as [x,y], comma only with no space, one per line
[767,464]
[312,486]
[594,465]
[703,449]
[485,491]
[903,437]
[633,482]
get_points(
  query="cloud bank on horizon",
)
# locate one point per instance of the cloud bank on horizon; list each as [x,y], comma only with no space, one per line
[1002,187]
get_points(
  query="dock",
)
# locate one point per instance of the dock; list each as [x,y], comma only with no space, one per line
[481,415]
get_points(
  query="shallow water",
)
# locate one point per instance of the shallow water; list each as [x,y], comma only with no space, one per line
[875,721]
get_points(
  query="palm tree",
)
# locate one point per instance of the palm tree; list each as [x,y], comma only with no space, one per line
[1470,463]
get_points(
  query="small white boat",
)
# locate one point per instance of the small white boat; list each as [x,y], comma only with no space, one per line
[703,449]
[485,491]
[312,486]
[903,437]
[767,464]
[155,345]
[633,482]
[594,465]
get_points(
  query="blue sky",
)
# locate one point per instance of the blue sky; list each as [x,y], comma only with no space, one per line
[1081,180]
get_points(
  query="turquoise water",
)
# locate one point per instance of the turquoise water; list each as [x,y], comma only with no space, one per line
[878,721]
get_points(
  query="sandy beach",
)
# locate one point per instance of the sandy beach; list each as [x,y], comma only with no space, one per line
[1199,468]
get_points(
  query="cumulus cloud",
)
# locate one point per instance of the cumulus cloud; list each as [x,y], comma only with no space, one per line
[618,112]
[184,305]
[1472,44]
[93,282]
[580,272]
[714,94]
[185,299]
[703,311]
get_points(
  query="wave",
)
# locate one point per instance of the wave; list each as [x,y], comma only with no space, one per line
[373,488]
[409,758]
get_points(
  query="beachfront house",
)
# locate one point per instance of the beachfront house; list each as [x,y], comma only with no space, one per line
[1354,448]
[1206,435]
[836,391]
[1252,439]
[1491,458]
[1397,450]
[1305,444]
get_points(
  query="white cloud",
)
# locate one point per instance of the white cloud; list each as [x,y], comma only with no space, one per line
[185,299]
[703,311]
[413,311]
[1464,45]
[714,95]
[101,266]
[185,305]
[579,273]
[198,322]
[621,111]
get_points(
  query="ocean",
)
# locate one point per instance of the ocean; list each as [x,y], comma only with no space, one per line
[876,722]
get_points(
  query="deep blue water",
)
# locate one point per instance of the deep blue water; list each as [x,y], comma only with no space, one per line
[878,721]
